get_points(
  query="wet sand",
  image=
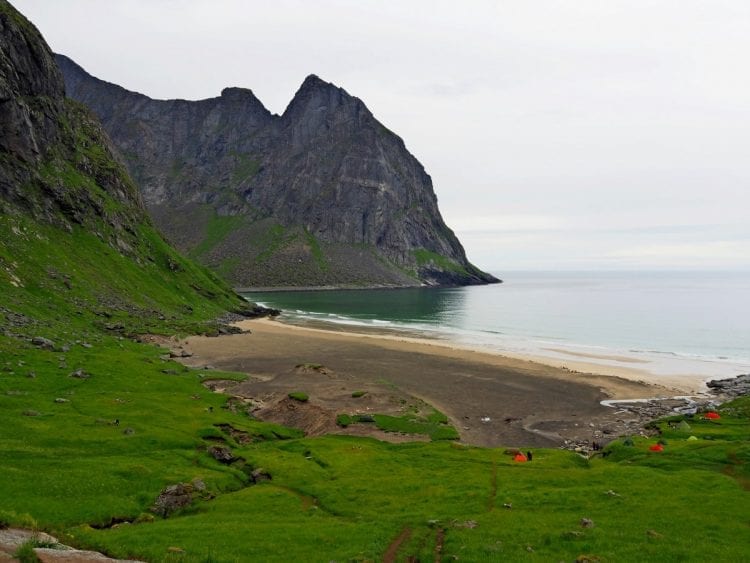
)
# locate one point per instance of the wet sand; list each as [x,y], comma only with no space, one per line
[492,400]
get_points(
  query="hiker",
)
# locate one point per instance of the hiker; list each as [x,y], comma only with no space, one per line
[529,456]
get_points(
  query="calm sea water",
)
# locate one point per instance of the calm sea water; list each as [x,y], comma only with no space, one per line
[676,322]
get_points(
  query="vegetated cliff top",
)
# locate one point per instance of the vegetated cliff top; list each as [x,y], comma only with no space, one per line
[323,194]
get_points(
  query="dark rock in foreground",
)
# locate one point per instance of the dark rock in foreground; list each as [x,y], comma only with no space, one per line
[173,498]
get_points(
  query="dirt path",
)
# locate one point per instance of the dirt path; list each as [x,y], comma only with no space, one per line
[439,541]
[390,554]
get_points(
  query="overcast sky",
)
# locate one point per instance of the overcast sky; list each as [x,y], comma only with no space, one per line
[575,134]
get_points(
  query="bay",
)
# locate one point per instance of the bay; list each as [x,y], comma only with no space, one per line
[671,322]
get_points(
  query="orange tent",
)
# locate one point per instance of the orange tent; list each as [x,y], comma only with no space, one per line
[713,415]
[519,457]
[657,448]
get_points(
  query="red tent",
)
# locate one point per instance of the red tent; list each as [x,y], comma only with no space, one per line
[713,415]
[657,448]
[519,457]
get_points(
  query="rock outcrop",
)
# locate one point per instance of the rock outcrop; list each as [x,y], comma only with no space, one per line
[730,388]
[52,150]
[321,195]
[53,551]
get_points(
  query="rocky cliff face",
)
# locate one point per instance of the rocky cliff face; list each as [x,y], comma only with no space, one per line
[53,150]
[75,236]
[321,195]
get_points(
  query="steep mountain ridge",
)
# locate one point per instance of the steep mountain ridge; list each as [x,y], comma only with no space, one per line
[322,195]
[76,243]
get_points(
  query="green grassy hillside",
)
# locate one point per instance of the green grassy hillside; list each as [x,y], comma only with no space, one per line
[69,468]
[94,425]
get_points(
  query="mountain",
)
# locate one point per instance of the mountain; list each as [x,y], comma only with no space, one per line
[321,195]
[77,247]
[84,273]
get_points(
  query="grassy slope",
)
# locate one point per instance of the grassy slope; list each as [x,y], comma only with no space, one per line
[341,498]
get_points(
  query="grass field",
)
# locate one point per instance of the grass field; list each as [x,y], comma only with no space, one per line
[341,499]
[68,467]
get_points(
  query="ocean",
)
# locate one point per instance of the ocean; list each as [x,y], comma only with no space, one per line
[666,323]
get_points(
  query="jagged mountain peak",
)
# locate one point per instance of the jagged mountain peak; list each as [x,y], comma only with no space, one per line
[246,101]
[318,97]
[237,92]
[321,195]
[243,95]
[314,81]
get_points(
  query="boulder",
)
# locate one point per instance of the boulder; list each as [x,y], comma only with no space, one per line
[42,342]
[49,555]
[222,454]
[13,538]
[173,498]
[260,474]
[733,387]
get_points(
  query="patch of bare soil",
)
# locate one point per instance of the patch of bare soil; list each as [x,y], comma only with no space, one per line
[330,394]
[390,554]
[491,400]
[313,420]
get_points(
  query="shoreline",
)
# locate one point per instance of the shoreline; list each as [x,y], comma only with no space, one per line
[491,400]
[292,289]
[581,366]
[296,288]
[630,346]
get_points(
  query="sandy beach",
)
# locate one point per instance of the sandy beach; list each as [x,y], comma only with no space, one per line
[492,400]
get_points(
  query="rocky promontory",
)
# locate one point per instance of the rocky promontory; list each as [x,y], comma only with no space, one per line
[322,195]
